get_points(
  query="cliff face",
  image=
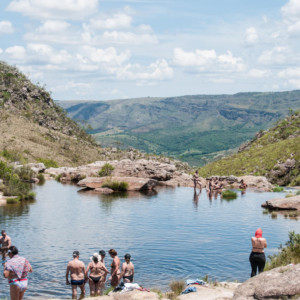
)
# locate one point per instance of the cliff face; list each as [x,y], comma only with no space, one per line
[274,153]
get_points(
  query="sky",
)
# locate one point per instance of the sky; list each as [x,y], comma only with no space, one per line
[115,49]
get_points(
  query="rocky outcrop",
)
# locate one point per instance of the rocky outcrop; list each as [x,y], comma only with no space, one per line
[290,203]
[164,172]
[134,183]
[279,283]
[281,172]
[257,182]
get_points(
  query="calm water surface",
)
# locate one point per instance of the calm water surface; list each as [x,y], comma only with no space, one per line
[170,235]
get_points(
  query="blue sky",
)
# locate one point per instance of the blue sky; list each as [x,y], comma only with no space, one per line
[106,49]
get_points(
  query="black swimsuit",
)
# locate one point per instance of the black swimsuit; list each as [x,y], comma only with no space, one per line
[95,279]
[130,277]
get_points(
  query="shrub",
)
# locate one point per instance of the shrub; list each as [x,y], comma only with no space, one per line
[49,163]
[12,200]
[117,186]
[177,287]
[41,178]
[229,195]
[13,155]
[15,187]
[25,173]
[288,254]
[298,193]
[106,170]
[289,195]
[278,189]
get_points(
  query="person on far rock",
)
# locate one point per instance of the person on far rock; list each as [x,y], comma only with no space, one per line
[243,184]
[257,257]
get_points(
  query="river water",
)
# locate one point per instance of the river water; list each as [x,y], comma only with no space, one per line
[172,234]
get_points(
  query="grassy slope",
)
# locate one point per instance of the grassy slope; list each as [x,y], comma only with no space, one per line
[192,128]
[280,143]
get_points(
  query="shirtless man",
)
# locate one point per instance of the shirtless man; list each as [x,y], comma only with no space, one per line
[76,268]
[5,241]
[197,180]
[127,269]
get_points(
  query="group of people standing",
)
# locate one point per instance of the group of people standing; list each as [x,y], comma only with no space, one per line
[96,272]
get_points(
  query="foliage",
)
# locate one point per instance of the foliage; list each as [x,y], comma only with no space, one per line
[108,290]
[49,163]
[118,186]
[278,189]
[229,195]
[25,173]
[177,287]
[288,254]
[106,170]
[41,178]
[13,155]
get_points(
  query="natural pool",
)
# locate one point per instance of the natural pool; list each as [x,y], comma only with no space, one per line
[171,235]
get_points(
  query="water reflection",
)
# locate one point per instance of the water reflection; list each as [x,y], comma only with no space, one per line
[10,211]
[196,198]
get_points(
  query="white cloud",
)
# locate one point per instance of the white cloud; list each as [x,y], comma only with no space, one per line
[17,53]
[1,51]
[129,37]
[91,56]
[290,72]
[251,35]
[277,55]
[208,60]
[53,27]
[159,70]
[258,73]
[294,29]
[6,27]
[55,9]
[291,10]
[119,20]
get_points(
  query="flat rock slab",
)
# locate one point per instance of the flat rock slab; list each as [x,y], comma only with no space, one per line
[279,283]
[291,203]
[134,183]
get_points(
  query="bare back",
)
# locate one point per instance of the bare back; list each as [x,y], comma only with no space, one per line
[127,269]
[77,269]
[258,244]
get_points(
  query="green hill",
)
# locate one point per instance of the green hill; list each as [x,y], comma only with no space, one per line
[275,154]
[196,129]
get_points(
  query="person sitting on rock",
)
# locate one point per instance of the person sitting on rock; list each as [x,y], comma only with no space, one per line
[243,185]
[257,257]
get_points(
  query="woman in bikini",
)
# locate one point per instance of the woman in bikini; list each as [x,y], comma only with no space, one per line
[97,269]
[115,268]
[257,257]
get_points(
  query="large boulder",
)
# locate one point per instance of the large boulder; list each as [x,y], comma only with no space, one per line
[257,182]
[279,283]
[290,203]
[134,183]
[281,172]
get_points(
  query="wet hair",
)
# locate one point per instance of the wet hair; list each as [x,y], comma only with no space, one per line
[102,252]
[75,254]
[95,259]
[3,231]
[127,256]
[113,252]
[13,250]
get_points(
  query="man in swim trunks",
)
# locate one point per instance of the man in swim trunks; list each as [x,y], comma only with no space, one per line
[5,241]
[196,180]
[127,269]
[76,268]
[16,270]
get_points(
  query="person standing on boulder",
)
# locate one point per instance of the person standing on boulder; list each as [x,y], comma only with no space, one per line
[257,257]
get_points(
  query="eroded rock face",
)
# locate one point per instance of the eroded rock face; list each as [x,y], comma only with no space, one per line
[291,203]
[142,168]
[258,182]
[279,283]
[134,183]
[281,172]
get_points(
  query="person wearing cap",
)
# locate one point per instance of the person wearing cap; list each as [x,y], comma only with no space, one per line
[257,257]
[5,242]
[16,270]
[96,268]
[76,269]
[127,272]
[102,254]
[115,268]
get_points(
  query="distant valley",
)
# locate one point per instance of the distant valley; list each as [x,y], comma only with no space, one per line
[196,129]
